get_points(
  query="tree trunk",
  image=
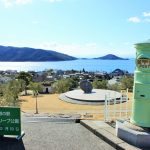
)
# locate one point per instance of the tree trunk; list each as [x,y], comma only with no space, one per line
[25,90]
[36,106]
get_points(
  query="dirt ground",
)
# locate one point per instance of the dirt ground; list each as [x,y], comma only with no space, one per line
[51,104]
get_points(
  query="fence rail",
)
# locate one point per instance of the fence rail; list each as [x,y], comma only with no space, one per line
[117,108]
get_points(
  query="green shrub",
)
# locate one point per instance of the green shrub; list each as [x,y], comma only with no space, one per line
[100,84]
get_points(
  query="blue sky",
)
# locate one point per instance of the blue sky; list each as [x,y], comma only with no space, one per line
[82,28]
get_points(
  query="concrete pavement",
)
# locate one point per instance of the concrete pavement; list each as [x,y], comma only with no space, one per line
[60,133]
[107,133]
[55,136]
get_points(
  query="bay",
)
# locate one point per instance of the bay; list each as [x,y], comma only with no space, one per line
[87,64]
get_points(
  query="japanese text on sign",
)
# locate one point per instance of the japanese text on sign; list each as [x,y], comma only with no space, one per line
[10,122]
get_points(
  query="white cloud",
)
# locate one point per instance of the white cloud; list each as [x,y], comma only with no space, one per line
[134,19]
[23,1]
[9,3]
[89,50]
[71,49]
[146,14]
[92,45]
[143,19]
[53,1]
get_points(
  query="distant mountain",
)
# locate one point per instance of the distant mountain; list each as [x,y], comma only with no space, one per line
[111,57]
[9,53]
[83,58]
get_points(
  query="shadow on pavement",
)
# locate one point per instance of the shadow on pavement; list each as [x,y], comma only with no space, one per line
[11,144]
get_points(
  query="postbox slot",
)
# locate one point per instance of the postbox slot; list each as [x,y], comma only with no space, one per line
[142,95]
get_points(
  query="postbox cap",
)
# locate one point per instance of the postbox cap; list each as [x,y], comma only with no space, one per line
[144,42]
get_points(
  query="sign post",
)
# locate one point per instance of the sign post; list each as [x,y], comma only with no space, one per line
[10,122]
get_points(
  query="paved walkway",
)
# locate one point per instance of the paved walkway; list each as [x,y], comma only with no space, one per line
[55,136]
[108,134]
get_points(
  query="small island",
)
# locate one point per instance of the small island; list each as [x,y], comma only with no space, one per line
[111,57]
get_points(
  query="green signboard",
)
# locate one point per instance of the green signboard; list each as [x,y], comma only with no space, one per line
[10,121]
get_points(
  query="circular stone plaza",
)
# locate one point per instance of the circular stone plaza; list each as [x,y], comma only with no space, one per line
[96,97]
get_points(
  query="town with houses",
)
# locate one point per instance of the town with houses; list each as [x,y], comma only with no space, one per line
[48,77]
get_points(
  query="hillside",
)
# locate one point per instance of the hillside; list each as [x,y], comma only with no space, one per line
[9,53]
[111,57]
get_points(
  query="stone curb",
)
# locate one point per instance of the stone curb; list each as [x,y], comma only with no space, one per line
[49,119]
[107,133]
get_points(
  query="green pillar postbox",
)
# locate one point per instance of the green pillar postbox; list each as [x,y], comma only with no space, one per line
[141,90]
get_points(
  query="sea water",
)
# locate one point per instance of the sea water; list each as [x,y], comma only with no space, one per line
[80,64]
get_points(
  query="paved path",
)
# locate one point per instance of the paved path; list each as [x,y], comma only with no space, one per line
[55,136]
[108,133]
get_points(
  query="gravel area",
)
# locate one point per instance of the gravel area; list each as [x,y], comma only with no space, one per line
[55,136]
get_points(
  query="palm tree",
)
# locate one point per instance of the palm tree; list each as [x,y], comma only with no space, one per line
[35,87]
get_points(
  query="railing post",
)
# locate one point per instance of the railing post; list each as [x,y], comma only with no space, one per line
[114,105]
[105,109]
[121,105]
[126,103]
